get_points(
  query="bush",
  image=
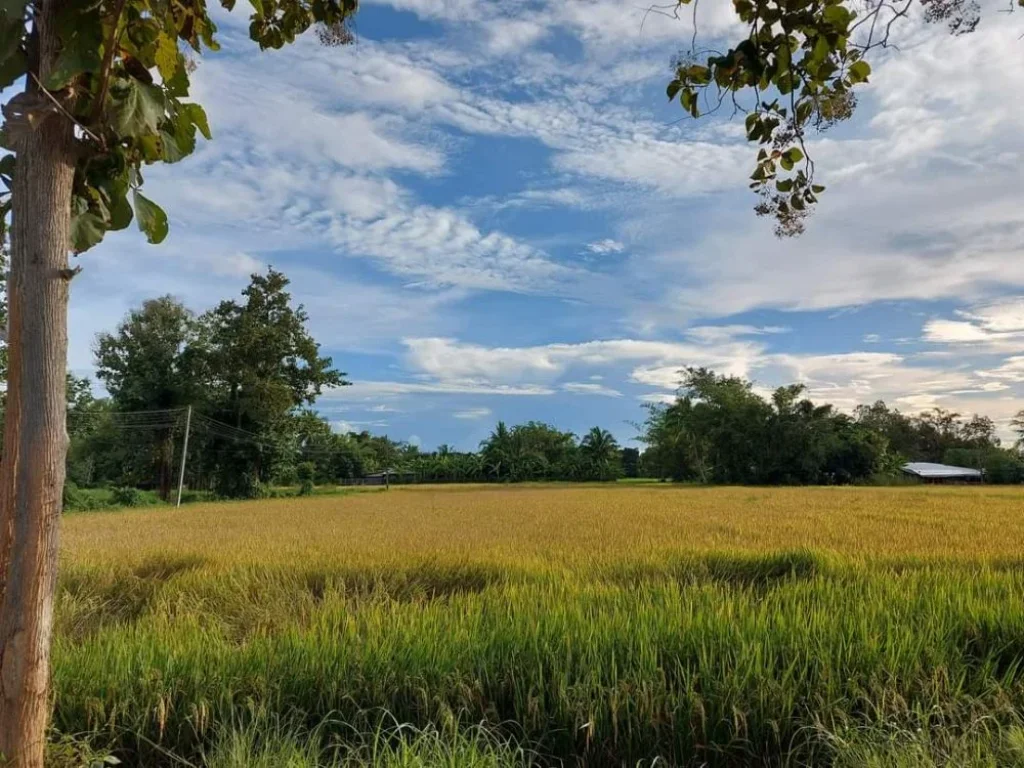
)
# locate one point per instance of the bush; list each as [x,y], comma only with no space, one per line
[286,475]
[78,500]
[246,485]
[305,472]
[126,496]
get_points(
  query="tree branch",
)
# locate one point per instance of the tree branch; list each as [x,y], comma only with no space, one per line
[60,108]
[108,61]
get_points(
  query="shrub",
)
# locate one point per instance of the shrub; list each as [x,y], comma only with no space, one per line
[78,500]
[305,472]
[287,474]
[126,496]
[245,485]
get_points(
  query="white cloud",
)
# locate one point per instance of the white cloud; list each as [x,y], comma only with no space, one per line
[448,358]
[472,414]
[714,334]
[1002,316]
[440,247]
[658,398]
[345,427]
[606,246]
[589,388]
[374,390]
[992,326]
[1011,369]
[505,35]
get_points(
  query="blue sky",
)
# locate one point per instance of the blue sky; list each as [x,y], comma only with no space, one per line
[490,212]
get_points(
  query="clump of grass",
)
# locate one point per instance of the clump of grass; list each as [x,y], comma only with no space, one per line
[266,742]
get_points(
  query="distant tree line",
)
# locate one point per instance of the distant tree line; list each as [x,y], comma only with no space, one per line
[720,430]
[251,373]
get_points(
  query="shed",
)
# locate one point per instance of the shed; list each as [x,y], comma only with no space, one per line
[943,473]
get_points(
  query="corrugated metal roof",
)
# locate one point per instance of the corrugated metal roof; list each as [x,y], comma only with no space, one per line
[928,469]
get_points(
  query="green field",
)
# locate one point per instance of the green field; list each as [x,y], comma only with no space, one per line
[561,625]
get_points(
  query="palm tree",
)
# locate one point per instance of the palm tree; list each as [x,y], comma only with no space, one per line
[601,454]
[496,451]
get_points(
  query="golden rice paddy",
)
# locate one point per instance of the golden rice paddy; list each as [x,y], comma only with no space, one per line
[548,625]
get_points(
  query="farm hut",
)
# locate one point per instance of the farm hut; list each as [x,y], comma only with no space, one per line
[943,473]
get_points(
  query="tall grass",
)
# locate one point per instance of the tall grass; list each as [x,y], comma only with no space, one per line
[493,650]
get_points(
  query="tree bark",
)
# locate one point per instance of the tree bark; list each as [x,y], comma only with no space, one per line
[35,438]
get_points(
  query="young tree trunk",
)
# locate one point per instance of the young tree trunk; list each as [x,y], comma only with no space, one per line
[35,439]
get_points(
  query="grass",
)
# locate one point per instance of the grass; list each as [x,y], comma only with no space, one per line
[643,625]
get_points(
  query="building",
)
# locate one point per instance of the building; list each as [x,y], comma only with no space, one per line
[943,473]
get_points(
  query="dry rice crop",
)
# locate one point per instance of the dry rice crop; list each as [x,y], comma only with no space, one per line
[495,626]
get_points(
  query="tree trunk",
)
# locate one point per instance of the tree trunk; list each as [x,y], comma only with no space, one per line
[35,439]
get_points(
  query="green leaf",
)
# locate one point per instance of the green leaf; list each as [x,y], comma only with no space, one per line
[198,117]
[120,212]
[12,68]
[673,89]
[7,164]
[821,49]
[174,148]
[13,62]
[166,57]
[794,154]
[81,37]
[152,146]
[178,85]
[151,217]
[137,108]
[783,56]
[817,188]
[87,229]
[859,71]
[838,16]
[12,33]
[786,162]
[784,185]
[13,9]
[698,74]
[257,6]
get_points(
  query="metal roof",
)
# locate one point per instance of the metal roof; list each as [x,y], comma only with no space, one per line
[928,469]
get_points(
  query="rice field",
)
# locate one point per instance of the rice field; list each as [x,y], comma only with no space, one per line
[645,625]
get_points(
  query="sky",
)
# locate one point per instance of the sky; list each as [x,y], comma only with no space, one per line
[490,211]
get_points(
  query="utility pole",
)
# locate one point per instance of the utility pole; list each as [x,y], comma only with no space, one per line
[184,454]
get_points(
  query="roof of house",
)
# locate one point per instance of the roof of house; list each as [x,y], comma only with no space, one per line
[928,469]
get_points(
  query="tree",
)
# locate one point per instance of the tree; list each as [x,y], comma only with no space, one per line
[497,452]
[1018,427]
[631,462]
[720,430]
[105,89]
[800,62]
[155,360]
[264,365]
[600,453]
